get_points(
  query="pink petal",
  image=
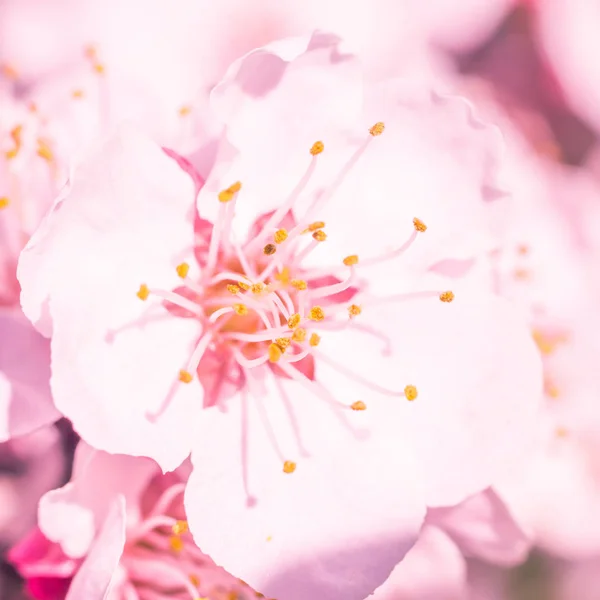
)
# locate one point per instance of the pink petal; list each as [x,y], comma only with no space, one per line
[478,377]
[25,400]
[123,222]
[295,91]
[393,181]
[483,527]
[35,556]
[433,568]
[336,526]
[312,71]
[479,381]
[97,570]
[72,515]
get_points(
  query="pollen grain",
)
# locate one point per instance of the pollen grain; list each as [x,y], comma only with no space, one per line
[377,129]
[182,270]
[143,292]
[317,148]
[185,376]
[419,225]
[274,352]
[289,466]
[411,393]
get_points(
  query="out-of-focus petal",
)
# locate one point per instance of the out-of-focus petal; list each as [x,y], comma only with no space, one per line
[25,400]
[94,577]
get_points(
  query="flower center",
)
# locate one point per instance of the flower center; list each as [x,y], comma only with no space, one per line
[262,309]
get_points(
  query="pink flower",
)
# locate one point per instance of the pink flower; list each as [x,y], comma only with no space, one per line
[185,322]
[28,182]
[119,525]
[548,265]
[557,488]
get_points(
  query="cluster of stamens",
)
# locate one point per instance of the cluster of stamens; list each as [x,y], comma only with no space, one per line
[265,307]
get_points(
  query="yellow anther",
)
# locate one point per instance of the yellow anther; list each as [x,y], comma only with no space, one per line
[243,285]
[233,289]
[4,202]
[9,72]
[77,94]
[410,391]
[419,225]
[185,376]
[354,310]
[240,309]
[274,353]
[546,344]
[294,321]
[351,260]
[289,466]
[319,235]
[176,543]
[447,296]
[299,335]
[562,432]
[269,538]
[316,225]
[270,249]
[551,389]
[184,111]
[99,68]
[358,405]
[280,236]
[317,148]
[316,313]
[182,270]
[194,580]
[90,52]
[228,194]
[315,340]
[299,284]
[257,288]
[283,343]
[377,129]
[522,274]
[523,249]
[283,276]
[143,292]
[180,527]
[15,135]
[44,151]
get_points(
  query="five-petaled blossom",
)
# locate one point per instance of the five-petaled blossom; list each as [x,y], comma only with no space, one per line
[290,323]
